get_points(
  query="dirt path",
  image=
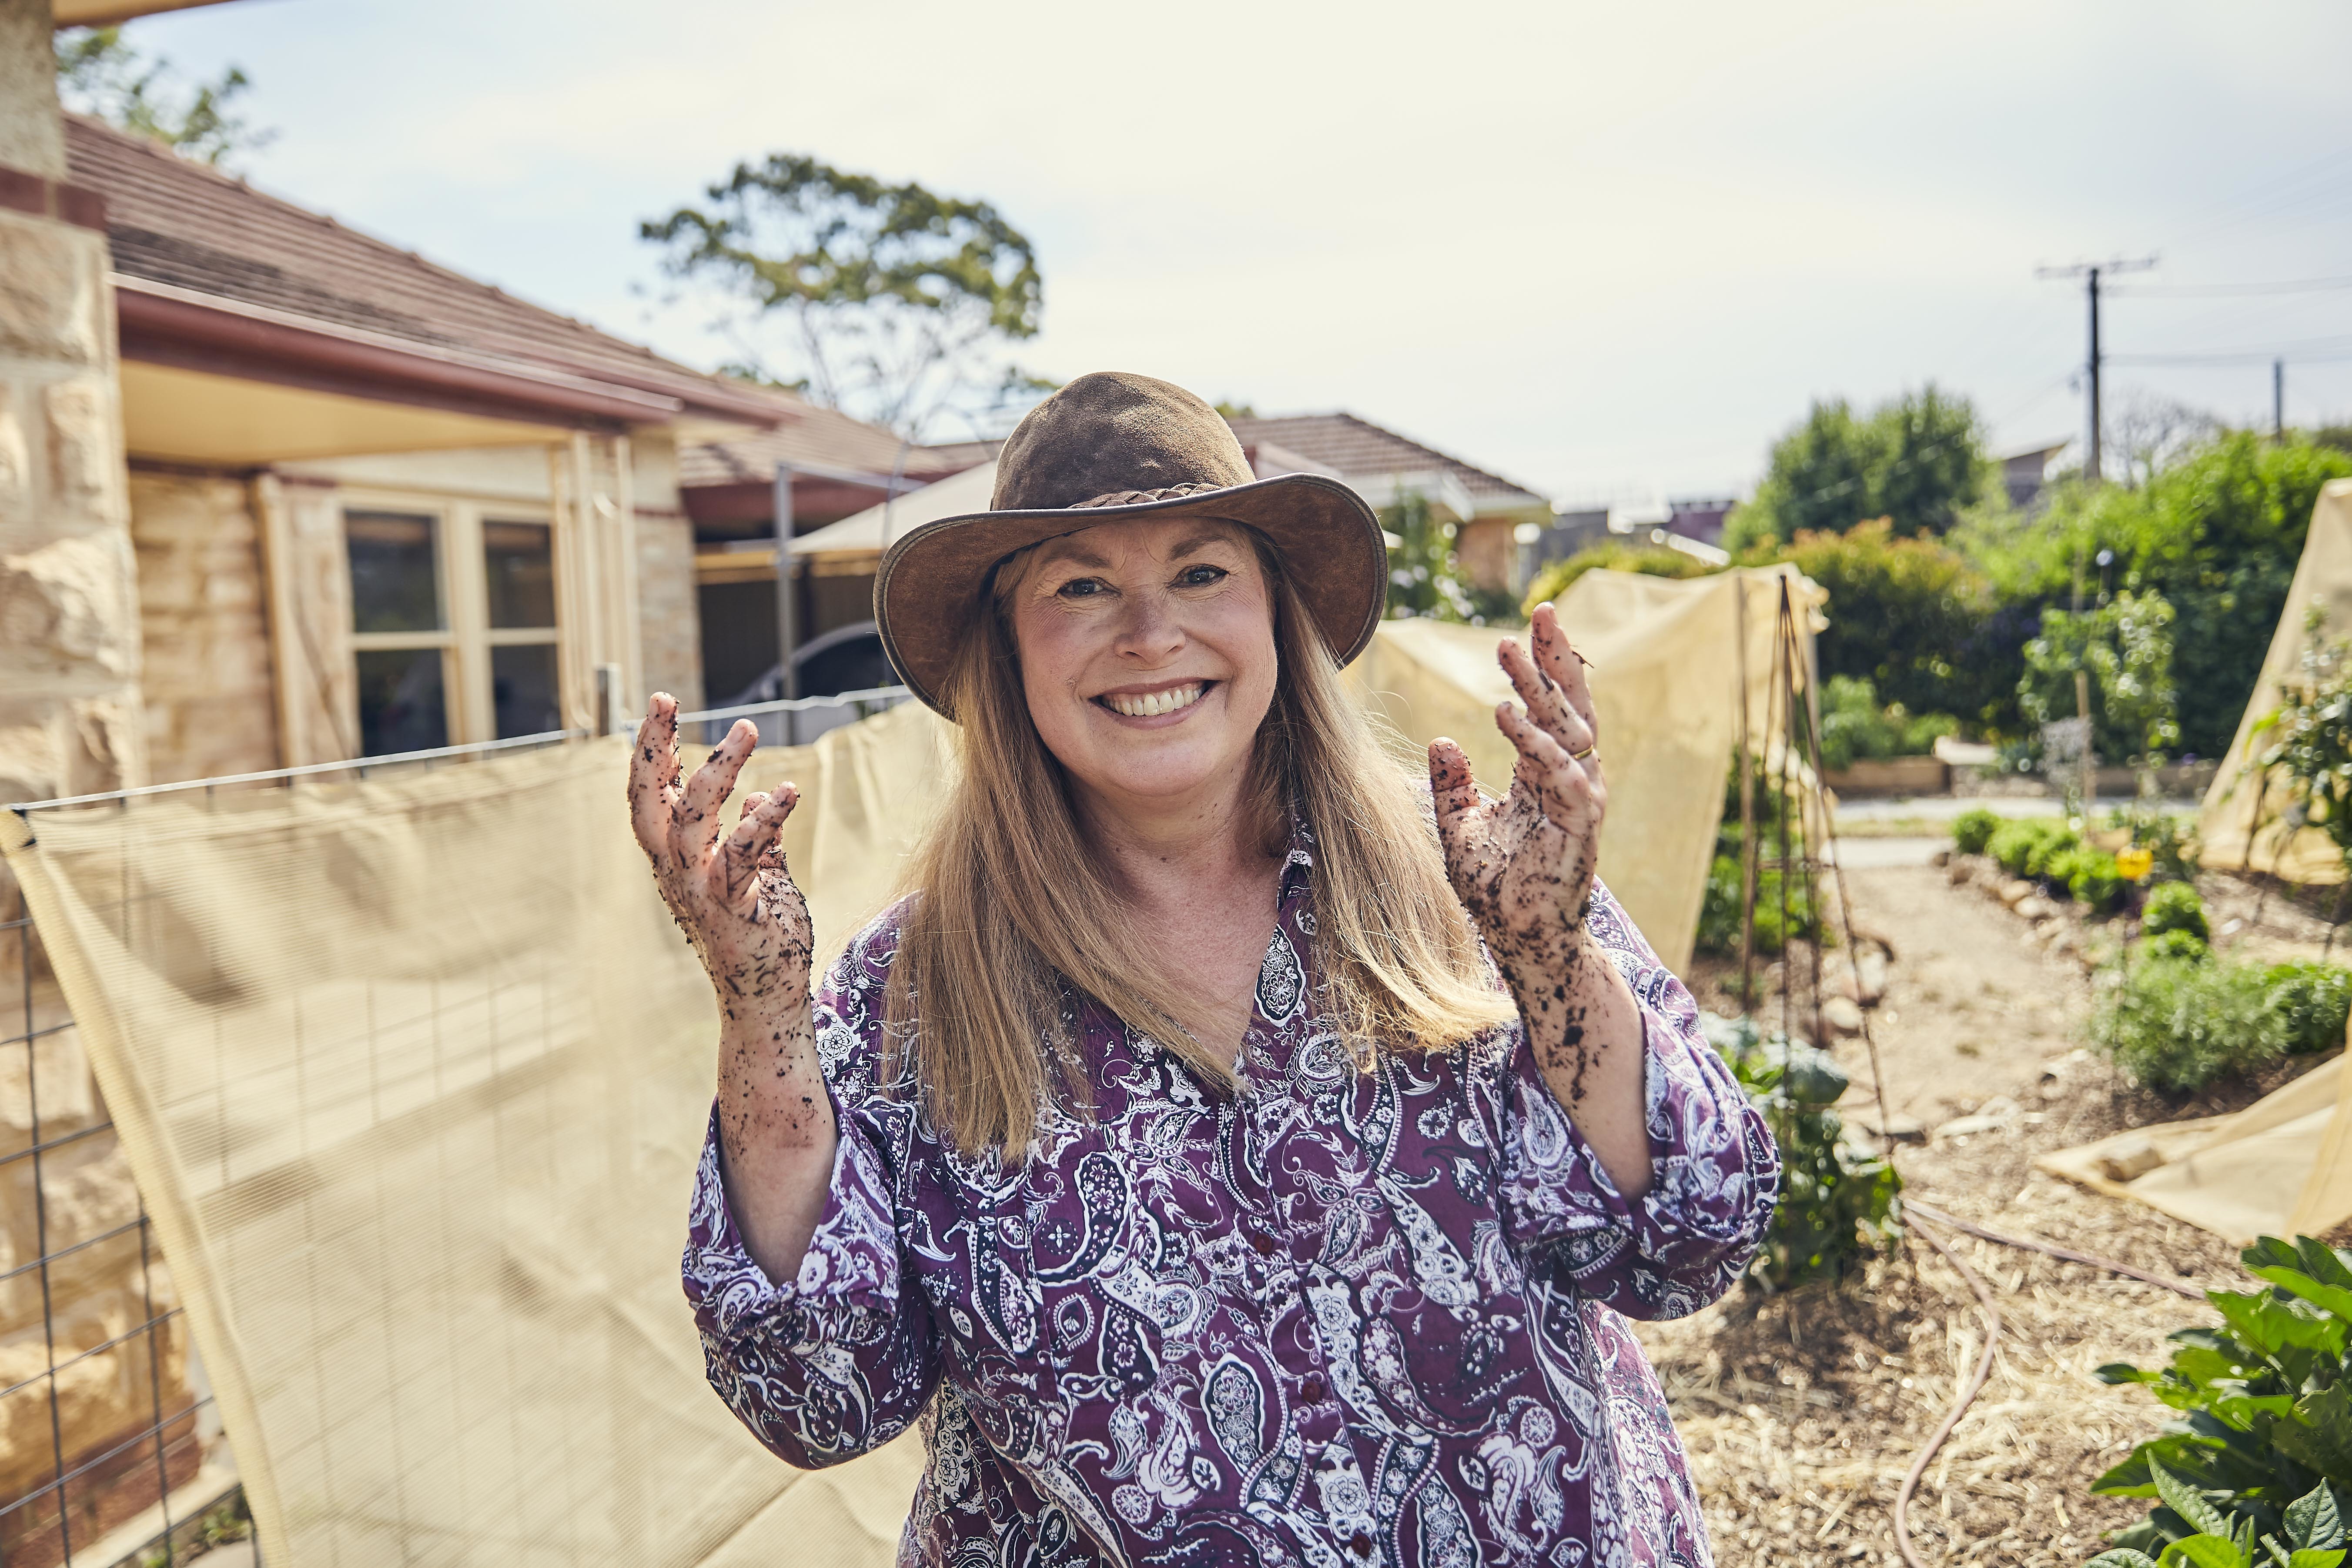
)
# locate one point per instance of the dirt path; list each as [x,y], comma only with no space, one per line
[1802,1412]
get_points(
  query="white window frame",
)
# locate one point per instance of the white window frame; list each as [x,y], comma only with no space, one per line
[466,638]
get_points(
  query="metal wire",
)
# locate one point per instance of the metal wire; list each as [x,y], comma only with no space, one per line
[83,1491]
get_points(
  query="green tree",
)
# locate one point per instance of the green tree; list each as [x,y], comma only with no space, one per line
[1424,578]
[1913,619]
[901,303]
[101,75]
[2217,532]
[1918,461]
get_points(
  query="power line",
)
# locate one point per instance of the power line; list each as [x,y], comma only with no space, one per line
[2210,291]
[2311,350]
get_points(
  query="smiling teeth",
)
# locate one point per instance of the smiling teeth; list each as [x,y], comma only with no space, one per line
[1167,701]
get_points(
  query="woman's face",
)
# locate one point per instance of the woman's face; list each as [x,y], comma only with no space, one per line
[1147,653]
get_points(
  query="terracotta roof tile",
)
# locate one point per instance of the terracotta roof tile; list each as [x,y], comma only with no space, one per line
[1357,448]
[175,222]
[820,438]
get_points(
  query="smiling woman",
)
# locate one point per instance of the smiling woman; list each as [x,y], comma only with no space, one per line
[1234,1153]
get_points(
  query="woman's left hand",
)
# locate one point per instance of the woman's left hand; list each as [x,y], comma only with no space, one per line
[1523,865]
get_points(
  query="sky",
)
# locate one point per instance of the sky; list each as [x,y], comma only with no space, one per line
[1608,251]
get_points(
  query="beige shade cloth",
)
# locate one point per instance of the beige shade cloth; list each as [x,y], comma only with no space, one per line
[2282,1166]
[2226,822]
[1668,667]
[414,1072]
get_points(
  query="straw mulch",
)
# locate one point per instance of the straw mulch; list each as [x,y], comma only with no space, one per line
[1803,1412]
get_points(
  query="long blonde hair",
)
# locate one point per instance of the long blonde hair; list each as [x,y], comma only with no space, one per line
[1013,913]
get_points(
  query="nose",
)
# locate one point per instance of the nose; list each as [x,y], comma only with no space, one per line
[1149,632]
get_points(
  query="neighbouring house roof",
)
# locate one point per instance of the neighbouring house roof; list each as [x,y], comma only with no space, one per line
[818,439]
[208,268]
[1364,453]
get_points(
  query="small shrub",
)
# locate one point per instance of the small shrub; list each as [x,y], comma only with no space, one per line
[2169,838]
[1612,555]
[2023,845]
[2313,999]
[2175,1023]
[1973,829]
[1838,1202]
[2182,945]
[1854,727]
[2089,877]
[2047,849]
[2265,1397]
[2175,906]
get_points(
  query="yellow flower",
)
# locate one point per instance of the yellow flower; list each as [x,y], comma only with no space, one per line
[2134,863]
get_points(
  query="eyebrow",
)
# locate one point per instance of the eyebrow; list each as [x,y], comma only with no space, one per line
[1067,548]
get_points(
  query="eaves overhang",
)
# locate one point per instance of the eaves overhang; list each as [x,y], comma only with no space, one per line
[165,324]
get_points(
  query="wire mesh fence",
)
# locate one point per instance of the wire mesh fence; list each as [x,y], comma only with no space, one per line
[110,1444]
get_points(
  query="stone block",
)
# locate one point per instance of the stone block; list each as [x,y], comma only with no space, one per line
[15,459]
[85,445]
[66,602]
[52,276]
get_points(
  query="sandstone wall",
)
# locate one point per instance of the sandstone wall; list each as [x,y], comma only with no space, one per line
[668,606]
[211,708]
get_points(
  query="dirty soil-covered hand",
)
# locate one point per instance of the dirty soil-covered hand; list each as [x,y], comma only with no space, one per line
[730,892]
[1523,867]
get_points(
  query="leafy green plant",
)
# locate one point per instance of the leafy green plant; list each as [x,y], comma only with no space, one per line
[2315,999]
[2089,877]
[2175,906]
[2303,747]
[2126,643]
[2024,845]
[2175,1021]
[2178,944]
[1718,917]
[1839,1204]
[1973,829]
[2314,1534]
[1854,727]
[2260,1455]
[2170,837]
[1612,555]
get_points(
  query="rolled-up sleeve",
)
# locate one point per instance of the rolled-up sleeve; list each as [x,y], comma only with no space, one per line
[1714,1172]
[840,1359]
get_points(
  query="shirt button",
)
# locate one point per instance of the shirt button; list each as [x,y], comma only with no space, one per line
[1262,1242]
[1311,1390]
[1361,1544]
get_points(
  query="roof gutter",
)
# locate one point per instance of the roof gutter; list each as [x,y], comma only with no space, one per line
[166,324]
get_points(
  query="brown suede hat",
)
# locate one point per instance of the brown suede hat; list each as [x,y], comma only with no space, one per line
[1107,446]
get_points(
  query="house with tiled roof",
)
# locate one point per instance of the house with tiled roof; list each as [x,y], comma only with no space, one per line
[1382,465]
[375,505]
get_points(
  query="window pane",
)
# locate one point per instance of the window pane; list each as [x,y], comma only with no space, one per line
[522,687]
[521,571]
[395,587]
[401,704]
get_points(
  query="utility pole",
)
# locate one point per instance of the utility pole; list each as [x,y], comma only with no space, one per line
[2091,272]
[2278,400]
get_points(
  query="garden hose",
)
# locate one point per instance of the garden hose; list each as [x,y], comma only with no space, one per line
[1930,1220]
[1960,1407]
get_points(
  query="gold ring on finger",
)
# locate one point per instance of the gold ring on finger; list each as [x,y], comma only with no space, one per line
[1580,756]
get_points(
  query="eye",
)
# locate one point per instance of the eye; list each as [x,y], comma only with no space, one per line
[1202,575]
[1081,588]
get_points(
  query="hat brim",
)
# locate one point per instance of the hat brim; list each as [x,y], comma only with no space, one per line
[929,585]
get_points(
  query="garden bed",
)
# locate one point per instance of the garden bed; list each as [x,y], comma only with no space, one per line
[1804,1411]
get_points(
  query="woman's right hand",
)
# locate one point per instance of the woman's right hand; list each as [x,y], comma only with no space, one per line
[737,906]
[733,899]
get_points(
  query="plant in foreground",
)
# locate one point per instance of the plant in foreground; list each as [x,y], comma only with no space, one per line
[2256,1472]
[1838,1202]
[2175,906]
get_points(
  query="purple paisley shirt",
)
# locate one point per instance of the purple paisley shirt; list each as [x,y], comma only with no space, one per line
[1348,1317]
